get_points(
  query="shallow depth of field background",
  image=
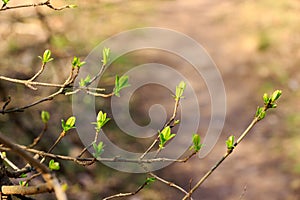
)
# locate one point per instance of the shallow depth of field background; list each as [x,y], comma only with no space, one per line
[256,46]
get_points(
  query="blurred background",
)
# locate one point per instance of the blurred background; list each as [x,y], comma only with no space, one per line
[255,44]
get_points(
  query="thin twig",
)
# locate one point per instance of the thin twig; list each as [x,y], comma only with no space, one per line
[72,76]
[6,103]
[36,83]
[128,193]
[167,124]
[61,135]
[229,151]
[46,3]
[11,164]
[38,138]
[90,160]
[51,180]
[87,147]
[171,184]
[35,76]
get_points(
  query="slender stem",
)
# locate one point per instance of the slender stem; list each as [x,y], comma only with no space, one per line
[46,3]
[171,184]
[61,135]
[50,179]
[188,195]
[167,124]
[86,148]
[128,193]
[90,160]
[38,138]
[38,73]
[229,151]
[11,164]
[36,83]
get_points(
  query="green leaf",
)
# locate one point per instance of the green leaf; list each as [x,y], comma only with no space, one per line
[46,56]
[179,90]
[5,1]
[230,142]
[102,119]
[196,143]
[276,95]
[266,98]
[165,135]
[84,82]
[53,165]
[23,175]
[150,180]
[73,6]
[120,83]
[273,105]
[69,124]
[23,183]
[177,122]
[64,187]
[77,63]
[45,116]
[260,113]
[98,149]
[105,55]
[71,121]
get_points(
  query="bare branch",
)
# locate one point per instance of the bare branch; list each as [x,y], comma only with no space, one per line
[46,3]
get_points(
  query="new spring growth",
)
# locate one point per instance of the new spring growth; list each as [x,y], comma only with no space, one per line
[102,119]
[196,143]
[105,56]
[5,2]
[84,82]
[46,57]
[164,136]
[69,124]
[45,116]
[98,149]
[76,63]
[120,83]
[269,102]
[230,143]
[179,90]
[53,165]
[150,180]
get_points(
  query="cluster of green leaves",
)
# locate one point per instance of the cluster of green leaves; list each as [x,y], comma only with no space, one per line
[102,119]
[84,82]
[54,166]
[269,102]
[46,57]
[164,136]
[5,1]
[120,83]
[98,149]
[23,183]
[76,63]
[69,124]
[196,143]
